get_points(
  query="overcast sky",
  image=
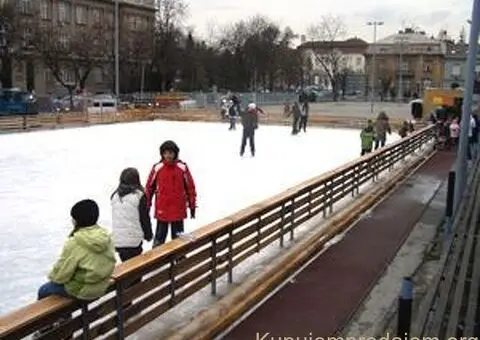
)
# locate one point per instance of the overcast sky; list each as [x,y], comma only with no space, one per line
[430,16]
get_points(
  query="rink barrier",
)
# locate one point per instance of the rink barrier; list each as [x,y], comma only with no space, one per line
[178,269]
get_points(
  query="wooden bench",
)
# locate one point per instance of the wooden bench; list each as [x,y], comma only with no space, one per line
[450,306]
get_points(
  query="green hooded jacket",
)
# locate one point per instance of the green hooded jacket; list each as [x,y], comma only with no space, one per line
[368,137]
[86,263]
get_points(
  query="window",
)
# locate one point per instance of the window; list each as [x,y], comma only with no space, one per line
[456,70]
[64,14]
[45,9]
[3,33]
[63,40]
[358,61]
[26,6]
[27,37]
[81,14]
[97,15]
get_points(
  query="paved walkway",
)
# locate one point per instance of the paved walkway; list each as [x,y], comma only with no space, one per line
[321,299]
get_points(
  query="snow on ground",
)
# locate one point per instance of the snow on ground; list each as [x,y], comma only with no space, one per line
[42,174]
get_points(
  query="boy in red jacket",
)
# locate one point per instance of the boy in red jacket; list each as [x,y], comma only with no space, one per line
[174,188]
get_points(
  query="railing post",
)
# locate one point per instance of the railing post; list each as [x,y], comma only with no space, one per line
[326,187]
[282,224]
[213,268]
[259,227]
[171,276]
[24,122]
[292,226]
[230,256]
[330,197]
[405,309]
[449,205]
[84,318]
[309,203]
[120,311]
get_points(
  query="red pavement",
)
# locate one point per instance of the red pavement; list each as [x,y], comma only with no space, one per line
[322,298]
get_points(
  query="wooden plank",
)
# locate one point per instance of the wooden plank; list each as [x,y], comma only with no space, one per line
[472,306]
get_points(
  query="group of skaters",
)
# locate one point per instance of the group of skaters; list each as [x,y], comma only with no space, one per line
[299,110]
[84,268]
[448,129]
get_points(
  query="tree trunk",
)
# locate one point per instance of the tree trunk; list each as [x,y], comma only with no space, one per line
[6,75]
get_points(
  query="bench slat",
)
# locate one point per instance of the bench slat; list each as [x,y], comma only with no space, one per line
[470,322]
[454,314]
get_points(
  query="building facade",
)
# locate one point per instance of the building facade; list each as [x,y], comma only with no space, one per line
[30,70]
[345,57]
[456,63]
[406,63]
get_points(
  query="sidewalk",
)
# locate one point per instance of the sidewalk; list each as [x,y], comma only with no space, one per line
[322,298]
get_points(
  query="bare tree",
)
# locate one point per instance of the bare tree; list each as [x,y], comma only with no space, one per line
[168,35]
[329,30]
[10,40]
[71,54]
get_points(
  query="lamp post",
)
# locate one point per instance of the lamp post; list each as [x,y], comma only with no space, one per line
[374,57]
[461,162]
[401,40]
[117,52]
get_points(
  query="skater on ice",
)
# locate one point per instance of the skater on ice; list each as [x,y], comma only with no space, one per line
[130,216]
[250,124]
[172,184]
[367,137]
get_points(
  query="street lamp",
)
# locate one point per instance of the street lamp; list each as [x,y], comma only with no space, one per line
[374,55]
[401,40]
[117,52]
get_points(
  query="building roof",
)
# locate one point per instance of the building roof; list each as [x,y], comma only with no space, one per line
[408,38]
[350,46]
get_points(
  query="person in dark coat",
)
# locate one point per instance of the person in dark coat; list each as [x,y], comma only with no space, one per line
[250,124]
[233,111]
[296,111]
[304,113]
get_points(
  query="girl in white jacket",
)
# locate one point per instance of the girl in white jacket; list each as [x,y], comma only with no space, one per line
[130,218]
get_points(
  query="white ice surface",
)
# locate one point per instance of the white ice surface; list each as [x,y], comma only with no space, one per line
[42,174]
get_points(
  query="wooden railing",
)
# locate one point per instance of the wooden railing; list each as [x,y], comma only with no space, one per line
[178,269]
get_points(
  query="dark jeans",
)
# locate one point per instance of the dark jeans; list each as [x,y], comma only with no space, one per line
[127,253]
[162,231]
[232,123]
[379,143]
[51,288]
[365,151]
[295,125]
[250,135]
[303,123]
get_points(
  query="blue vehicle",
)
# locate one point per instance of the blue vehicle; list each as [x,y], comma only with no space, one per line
[16,102]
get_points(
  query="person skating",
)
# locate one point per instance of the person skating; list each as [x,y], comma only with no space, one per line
[233,111]
[130,217]
[250,124]
[296,111]
[367,137]
[382,127]
[172,184]
[304,114]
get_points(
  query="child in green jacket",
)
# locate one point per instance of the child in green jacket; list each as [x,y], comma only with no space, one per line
[367,137]
[87,261]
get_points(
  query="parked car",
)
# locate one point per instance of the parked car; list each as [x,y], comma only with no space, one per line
[14,101]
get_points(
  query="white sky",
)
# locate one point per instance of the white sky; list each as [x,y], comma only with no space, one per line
[427,15]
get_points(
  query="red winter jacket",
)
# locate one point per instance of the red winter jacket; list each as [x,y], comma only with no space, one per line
[174,189]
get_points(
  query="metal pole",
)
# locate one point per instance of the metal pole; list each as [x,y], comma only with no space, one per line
[461,162]
[142,84]
[400,75]
[117,52]
[405,309]
[374,61]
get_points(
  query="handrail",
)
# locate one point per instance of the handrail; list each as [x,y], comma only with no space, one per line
[178,269]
